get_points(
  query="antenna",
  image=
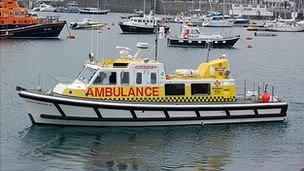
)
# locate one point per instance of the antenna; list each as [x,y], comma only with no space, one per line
[209,48]
[156,38]
[97,43]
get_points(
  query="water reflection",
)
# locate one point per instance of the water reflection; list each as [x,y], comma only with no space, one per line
[160,148]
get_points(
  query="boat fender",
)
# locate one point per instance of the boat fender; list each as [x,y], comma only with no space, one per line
[265,96]
[186,36]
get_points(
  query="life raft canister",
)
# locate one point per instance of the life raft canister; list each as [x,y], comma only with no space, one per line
[265,96]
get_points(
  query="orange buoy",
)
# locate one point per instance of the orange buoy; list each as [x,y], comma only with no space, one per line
[265,97]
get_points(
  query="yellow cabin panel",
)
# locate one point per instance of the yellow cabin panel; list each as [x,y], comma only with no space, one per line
[152,93]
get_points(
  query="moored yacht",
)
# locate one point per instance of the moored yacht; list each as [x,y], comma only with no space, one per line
[218,20]
[145,24]
[279,26]
[90,10]
[133,90]
[192,37]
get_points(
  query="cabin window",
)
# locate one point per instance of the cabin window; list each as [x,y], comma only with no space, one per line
[124,77]
[245,6]
[200,89]
[135,20]
[254,6]
[139,78]
[262,6]
[153,78]
[139,21]
[174,89]
[106,78]
[87,75]
[237,5]
[194,31]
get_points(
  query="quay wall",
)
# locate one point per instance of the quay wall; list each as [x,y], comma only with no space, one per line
[162,7]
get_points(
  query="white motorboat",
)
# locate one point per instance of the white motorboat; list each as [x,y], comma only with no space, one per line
[44,8]
[90,10]
[145,24]
[279,26]
[87,23]
[218,20]
[136,91]
[192,37]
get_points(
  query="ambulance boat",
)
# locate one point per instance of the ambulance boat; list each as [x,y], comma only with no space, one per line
[131,90]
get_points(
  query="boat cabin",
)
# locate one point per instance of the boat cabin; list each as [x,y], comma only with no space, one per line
[11,15]
[136,78]
[193,32]
[142,21]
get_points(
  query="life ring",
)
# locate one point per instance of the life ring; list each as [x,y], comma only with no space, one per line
[186,36]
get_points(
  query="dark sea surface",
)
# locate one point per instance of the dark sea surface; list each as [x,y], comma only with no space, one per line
[259,146]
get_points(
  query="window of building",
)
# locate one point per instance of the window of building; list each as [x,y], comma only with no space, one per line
[124,78]
[139,78]
[200,89]
[174,89]
[153,78]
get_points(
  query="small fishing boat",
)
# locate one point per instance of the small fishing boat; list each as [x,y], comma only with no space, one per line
[15,22]
[137,91]
[264,34]
[192,37]
[142,25]
[87,23]
[90,10]
[241,22]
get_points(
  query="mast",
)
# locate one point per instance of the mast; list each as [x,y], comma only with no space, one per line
[156,30]
[156,39]
[144,7]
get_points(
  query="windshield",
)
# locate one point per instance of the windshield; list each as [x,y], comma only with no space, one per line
[86,75]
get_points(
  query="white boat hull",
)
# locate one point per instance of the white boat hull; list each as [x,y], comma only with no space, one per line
[220,23]
[47,109]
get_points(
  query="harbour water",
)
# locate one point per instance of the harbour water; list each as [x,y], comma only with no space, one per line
[259,146]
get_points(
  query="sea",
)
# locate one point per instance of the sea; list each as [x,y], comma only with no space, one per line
[33,63]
